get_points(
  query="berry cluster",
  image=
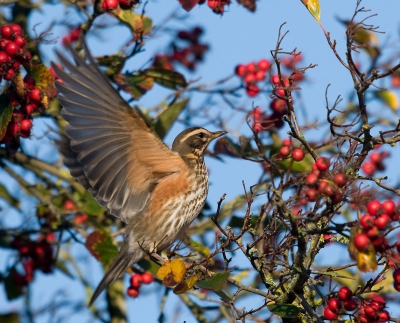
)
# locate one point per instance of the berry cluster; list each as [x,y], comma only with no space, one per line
[109,5]
[218,6]
[251,74]
[136,282]
[72,36]
[12,52]
[374,224]
[265,122]
[297,154]
[344,302]
[188,55]
[373,311]
[375,163]
[319,182]
[27,100]
[34,255]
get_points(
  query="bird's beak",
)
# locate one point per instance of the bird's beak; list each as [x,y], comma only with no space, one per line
[217,134]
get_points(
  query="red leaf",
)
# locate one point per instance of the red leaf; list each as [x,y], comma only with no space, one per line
[188,4]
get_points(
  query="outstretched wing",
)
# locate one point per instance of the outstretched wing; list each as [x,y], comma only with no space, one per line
[113,152]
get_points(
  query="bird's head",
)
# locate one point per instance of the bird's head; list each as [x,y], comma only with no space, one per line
[192,142]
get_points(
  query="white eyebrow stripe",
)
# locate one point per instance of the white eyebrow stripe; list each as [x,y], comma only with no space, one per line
[192,133]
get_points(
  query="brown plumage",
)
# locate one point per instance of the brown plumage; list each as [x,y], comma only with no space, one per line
[126,167]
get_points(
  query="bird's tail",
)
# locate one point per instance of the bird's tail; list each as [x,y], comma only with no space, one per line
[122,262]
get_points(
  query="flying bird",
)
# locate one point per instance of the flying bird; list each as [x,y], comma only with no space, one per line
[115,154]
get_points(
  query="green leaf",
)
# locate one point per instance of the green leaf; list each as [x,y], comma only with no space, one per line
[6,110]
[13,290]
[167,78]
[139,24]
[106,250]
[136,85]
[168,117]
[91,206]
[114,63]
[284,310]
[9,318]
[8,197]
[215,283]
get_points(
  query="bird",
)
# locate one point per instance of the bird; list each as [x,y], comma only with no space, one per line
[116,155]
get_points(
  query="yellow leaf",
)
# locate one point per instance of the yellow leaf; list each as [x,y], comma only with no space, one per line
[187,284]
[388,97]
[172,272]
[366,259]
[314,8]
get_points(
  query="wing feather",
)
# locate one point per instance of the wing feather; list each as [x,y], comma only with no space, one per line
[111,150]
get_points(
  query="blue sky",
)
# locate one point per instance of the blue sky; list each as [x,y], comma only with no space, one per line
[237,37]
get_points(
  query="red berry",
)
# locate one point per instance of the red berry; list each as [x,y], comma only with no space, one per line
[280,93]
[11,48]
[361,241]
[132,292]
[240,70]
[311,194]
[260,75]
[284,151]
[264,65]
[278,106]
[13,129]
[6,31]
[250,78]
[136,281]
[109,5]
[311,179]
[4,58]
[370,312]
[275,80]
[383,316]
[375,158]
[251,67]
[340,179]
[286,142]
[36,95]
[322,163]
[334,304]
[373,233]
[368,168]
[396,286]
[374,207]
[70,206]
[147,278]
[26,125]
[367,221]
[329,315]
[345,293]
[16,29]
[9,74]
[389,207]
[398,246]
[396,275]
[252,90]
[350,305]
[20,41]
[297,154]
[383,222]
[378,303]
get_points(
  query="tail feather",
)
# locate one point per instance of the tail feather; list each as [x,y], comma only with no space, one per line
[122,262]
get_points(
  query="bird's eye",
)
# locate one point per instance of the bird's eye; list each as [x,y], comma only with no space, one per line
[201,135]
